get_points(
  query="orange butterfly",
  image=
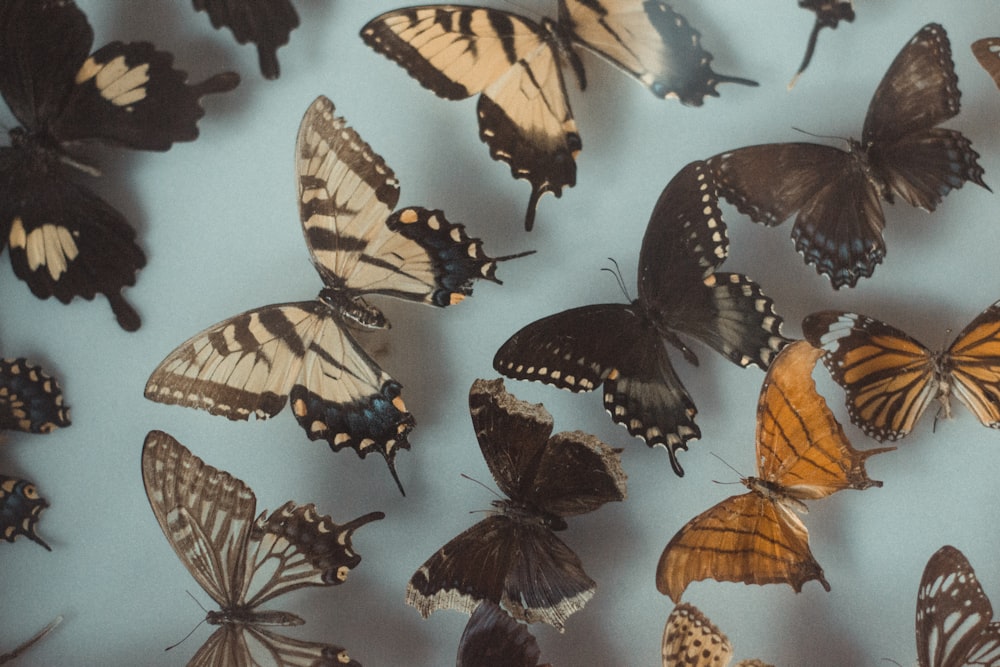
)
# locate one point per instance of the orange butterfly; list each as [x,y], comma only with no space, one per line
[890,377]
[802,454]
[691,640]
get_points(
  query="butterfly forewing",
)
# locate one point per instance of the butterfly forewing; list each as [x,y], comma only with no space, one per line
[493,639]
[953,619]
[266,23]
[987,52]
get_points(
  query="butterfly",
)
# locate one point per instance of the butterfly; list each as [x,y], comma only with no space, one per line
[955,624]
[890,378]
[266,23]
[987,52]
[829,14]
[304,352]
[493,639]
[837,193]
[621,345]
[691,640]
[802,454]
[514,63]
[242,560]
[17,652]
[513,557]
[31,401]
[64,240]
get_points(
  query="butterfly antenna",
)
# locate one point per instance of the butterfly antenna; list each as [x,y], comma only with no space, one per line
[473,479]
[617,273]
[726,463]
[819,136]
[187,635]
[7,657]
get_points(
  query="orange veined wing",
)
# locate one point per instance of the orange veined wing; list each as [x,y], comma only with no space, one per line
[972,364]
[690,639]
[802,453]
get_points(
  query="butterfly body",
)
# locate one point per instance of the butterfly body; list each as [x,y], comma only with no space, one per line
[247,615]
[836,195]
[514,64]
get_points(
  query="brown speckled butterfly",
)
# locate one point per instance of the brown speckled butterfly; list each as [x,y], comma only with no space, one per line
[691,640]
[242,560]
[802,454]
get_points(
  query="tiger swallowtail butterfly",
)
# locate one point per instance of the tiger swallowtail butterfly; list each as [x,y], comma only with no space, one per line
[514,64]
[829,14]
[305,353]
[493,639]
[837,193]
[954,619]
[691,640]
[242,560]
[64,240]
[890,378]
[987,52]
[621,345]
[802,454]
[266,23]
[39,636]
[31,401]
[513,557]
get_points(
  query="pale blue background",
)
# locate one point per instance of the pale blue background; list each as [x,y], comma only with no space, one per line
[219,223]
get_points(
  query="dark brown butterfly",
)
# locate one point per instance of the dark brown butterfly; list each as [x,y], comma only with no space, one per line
[266,23]
[64,240]
[513,557]
[955,626]
[242,560]
[514,64]
[493,639]
[829,14]
[891,378]
[987,52]
[621,345]
[838,193]
[802,454]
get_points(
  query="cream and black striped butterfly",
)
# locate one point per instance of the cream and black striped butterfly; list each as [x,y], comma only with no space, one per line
[954,620]
[891,378]
[305,353]
[242,560]
[64,240]
[691,640]
[266,23]
[514,62]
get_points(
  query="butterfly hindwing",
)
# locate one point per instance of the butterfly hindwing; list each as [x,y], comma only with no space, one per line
[266,23]
[493,639]
[30,399]
[972,363]
[20,509]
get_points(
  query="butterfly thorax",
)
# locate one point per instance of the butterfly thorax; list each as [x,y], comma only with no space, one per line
[250,616]
[774,492]
[561,39]
[45,151]
[654,319]
[353,308]
[525,513]
[861,152]
[942,380]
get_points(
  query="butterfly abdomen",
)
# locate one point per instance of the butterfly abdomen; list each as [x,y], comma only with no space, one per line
[250,616]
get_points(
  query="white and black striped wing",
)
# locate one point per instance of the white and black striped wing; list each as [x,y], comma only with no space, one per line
[253,646]
[524,115]
[254,363]
[358,244]
[651,42]
[205,513]
[954,619]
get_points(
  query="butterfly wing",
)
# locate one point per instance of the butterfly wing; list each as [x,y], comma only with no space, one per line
[651,42]
[953,619]
[20,509]
[838,228]
[520,565]
[30,399]
[747,538]
[524,115]
[972,364]
[493,639]
[266,23]
[829,14]
[613,345]
[987,52]
[801,447]
[917,161]
[685,242]
[346,199]
[690,639]
[888,376]
[205,513]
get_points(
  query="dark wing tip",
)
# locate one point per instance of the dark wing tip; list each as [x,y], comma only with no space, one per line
[128,318]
